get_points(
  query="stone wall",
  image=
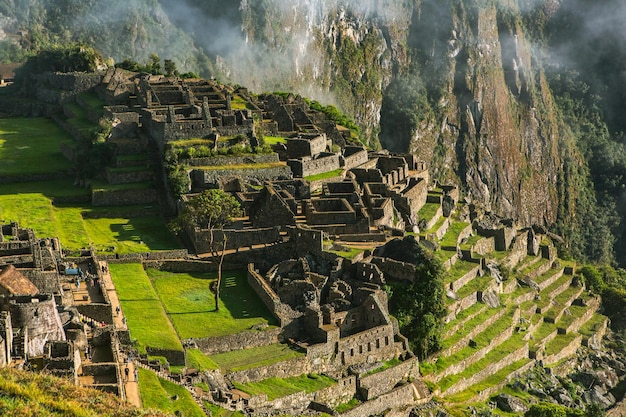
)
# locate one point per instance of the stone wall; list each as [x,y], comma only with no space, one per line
[395,270]
[123,197]
[372,386]
[490,369]
[518,250]
[353,156]
[473,273]
[264,158]
[367,346]
[174,357]
[97,312]
[239,341]
[306,167]
[265,293]
[213,176]
[464,341]
[284,369]
[303,147]
[484,246]
[124,177]
[340,393]
[398,398]
[235,239]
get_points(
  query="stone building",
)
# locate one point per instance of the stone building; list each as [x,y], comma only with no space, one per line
[13,282]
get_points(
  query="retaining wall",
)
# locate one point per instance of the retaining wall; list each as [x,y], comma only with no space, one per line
[239,341]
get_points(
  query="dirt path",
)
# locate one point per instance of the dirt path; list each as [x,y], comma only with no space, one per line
[131,386]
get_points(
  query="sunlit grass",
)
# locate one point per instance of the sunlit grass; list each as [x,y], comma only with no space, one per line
[190,303]
[31,146]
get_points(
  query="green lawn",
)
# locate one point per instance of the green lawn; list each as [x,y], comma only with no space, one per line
[147,320]
[191,306]
[75,229]
[31,146]
[324,175]
[281,387]
[166,396]
[238,360]
[198,360]
[273,140]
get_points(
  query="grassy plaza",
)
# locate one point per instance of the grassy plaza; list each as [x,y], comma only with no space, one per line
[31,146]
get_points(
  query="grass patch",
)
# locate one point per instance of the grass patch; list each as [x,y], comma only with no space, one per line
[92,100]
[385,365]
[31,146]
[428,211]
[76,231]
[190,303]
[324,175]
[274,140]
[281,387]
[452,235]
[184,143]
[159,393]
[239,360]
[559,343]
[145,315]
[217,411]
[492,380]
[459,269]
[50,189]
[198,360]
[592,325]
[342,408]
[130,235]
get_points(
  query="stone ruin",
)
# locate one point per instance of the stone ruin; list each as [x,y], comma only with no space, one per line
[47,319]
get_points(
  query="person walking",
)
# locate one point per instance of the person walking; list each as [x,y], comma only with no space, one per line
[126,372]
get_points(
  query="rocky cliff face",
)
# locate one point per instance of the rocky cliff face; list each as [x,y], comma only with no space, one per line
[494,127]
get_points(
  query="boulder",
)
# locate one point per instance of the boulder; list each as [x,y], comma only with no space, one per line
[510,404]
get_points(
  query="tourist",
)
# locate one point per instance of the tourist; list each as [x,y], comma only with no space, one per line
[126,372]
[136,374]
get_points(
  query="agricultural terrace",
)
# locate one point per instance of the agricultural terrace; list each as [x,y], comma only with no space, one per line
[31,146]
[281,387]
[240,360]
[107,229]
[190,303]
[146,319]
[167,396]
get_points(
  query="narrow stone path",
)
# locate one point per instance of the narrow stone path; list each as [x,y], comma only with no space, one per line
[131,385]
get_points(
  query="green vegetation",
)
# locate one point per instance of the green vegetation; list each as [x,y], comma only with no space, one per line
[420,307]
[146,318]
[31,146]
[31,394]
[217,411]
[342,408]
[324,175]
[198,360]
[239,360]
[273,140]
[166,396]
[281,387]
[189,302]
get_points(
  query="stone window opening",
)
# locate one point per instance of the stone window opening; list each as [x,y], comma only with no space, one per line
[386,340]
[351,352]
[369,347]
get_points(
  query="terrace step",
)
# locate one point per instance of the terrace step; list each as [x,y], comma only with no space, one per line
[577,315]
[487,318]
[511,351]
[485,341]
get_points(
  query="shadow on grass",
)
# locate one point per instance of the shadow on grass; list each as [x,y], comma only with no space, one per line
[149,230]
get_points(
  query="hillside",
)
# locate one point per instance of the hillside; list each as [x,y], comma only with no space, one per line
[29,394]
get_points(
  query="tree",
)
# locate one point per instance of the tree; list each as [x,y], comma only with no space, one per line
[170,67]
[211,209]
